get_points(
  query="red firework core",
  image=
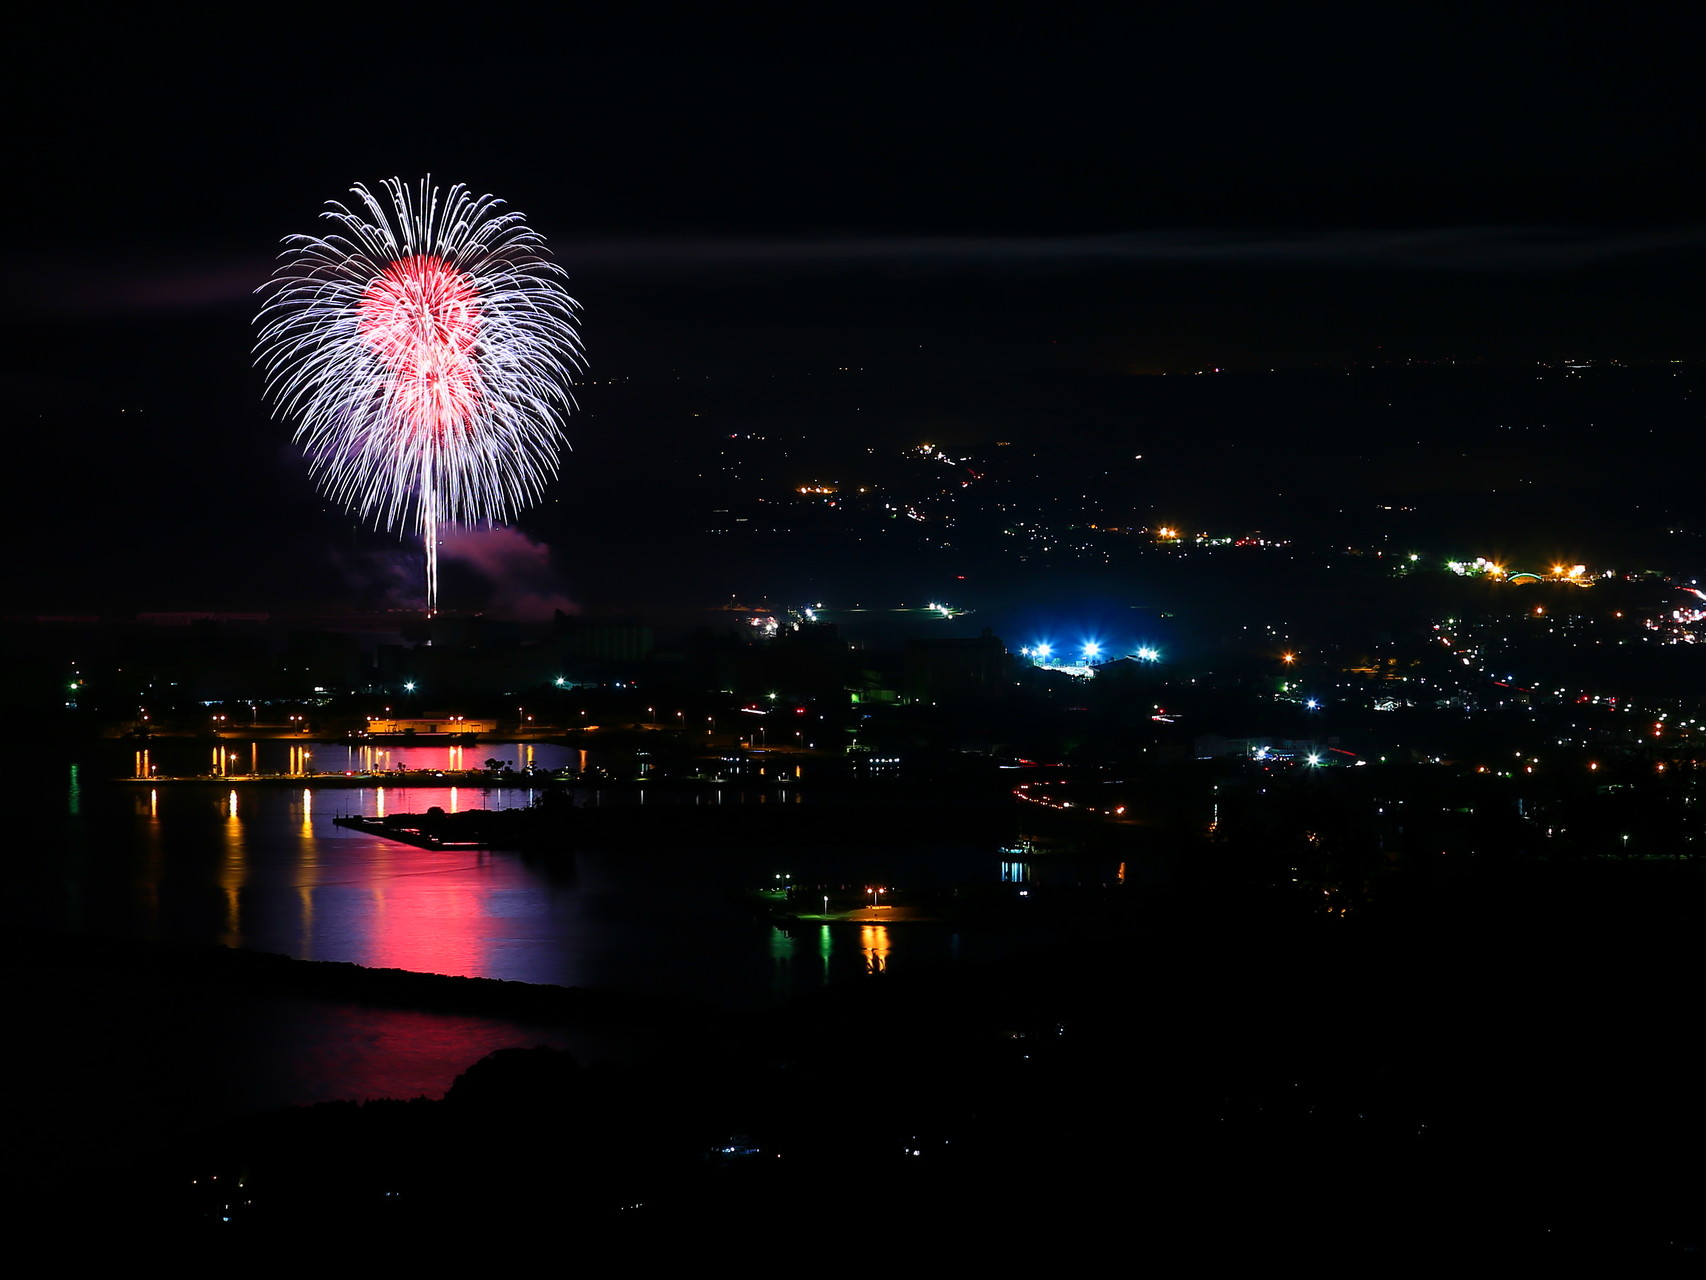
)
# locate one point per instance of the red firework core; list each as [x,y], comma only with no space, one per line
[422,318]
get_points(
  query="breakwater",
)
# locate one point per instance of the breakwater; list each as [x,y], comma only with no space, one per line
[566,825]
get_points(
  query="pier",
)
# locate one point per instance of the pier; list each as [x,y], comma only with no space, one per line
[415,835]
[407,778]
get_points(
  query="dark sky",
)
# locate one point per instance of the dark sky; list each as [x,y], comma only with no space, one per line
[1144,154]
[736,193]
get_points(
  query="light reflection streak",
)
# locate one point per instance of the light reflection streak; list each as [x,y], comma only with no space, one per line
[153,867]
[305,940]
[428,913]
[233,872]
[782,954]
[874,942]
[307,877]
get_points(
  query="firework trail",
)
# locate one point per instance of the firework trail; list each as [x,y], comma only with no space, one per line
[423,348]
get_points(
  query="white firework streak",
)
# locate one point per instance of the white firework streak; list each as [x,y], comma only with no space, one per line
[354,416]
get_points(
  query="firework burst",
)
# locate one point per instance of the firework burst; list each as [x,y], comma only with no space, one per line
[423,348]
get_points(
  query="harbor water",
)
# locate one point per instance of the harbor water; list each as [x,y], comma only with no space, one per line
[263,867]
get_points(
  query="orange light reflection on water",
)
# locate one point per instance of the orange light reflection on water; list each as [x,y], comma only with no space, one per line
[233,872]
[306,873]
[152,867]
[874,942]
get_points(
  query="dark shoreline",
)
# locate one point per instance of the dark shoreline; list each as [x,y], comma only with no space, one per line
[1416,1084]
[47,958]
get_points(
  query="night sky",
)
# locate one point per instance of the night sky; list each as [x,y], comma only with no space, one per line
[742,198]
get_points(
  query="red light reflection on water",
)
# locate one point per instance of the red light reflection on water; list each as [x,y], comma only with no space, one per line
[421,909]
[378,802]
[302,1052]
[398,906]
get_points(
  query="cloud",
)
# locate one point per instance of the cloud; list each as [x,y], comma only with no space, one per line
[518,570]
[516,573]
[1490,248]
[124,290]
[381,579]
